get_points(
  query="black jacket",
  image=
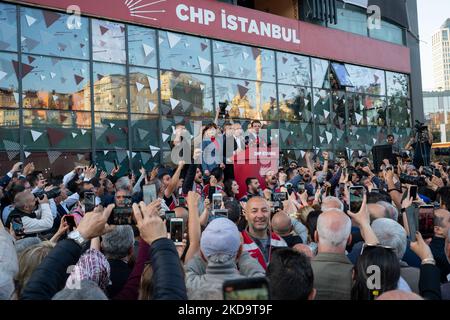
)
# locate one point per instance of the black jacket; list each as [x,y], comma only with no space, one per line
[429,282]
[188,182]
[51,275]
[119,276]
[437,246]
[168,276]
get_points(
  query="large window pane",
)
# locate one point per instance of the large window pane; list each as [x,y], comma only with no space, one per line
[366,80]
[350,19]
[110,88]
[320,73]
[52,33]
[389,32]
[143,159]
[9,96]
[399,112]
[8,27]
[248,99]
[295,103]
[366,110]
[294,135]
[321,108]
[238,61]
[144,90]
[142,46]
[186,94]
[111,130]
[108,41]
[293,69]
[184,53]
[56,84]
[9,131]
[398,84]
[145,131]
[339,99]
[53,129]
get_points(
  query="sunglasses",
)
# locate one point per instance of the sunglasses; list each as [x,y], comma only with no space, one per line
[367,246]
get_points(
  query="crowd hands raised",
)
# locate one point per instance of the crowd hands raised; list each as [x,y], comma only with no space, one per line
[323,231]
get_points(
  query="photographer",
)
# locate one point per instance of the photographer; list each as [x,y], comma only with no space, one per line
[421,144]
[34,220]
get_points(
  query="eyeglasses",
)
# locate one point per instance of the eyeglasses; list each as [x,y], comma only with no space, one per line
[367,246]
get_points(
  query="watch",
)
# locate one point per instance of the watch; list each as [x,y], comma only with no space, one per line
[76,236]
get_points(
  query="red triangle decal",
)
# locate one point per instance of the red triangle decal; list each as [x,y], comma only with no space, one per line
[78,79]
[204,46]
[242,90]
[62,118]
[103,30]
[51,17]
[100,76]
[111,138]
[31,59]
[55,136]
[26,68]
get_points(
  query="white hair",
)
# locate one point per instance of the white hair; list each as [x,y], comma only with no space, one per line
[391,234]
[328,202]
[393,212]
[329,233]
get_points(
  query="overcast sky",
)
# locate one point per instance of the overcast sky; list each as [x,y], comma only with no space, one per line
[432,14]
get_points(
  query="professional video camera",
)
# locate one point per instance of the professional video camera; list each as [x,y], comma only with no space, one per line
[50,194]
[223,113]
[418,181]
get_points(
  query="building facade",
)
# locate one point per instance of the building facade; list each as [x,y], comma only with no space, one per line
[437,114]
[111,84]
[441,57]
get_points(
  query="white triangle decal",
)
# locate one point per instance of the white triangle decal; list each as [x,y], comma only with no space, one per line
[147,49]
[153,83]
[139,86]
[133,154]
[174,103]
[105,152]
[27,154]
[173,39]
[74,135]
[302,153]
[358,117]
[112,125]
[2,75]
[16,97]
[326,113]
[36,135]
[154,152]
[52,75]
[245,55]
[374,141]
[83,132]
[204,64]
[221,67]
[321,139]
[165,136]
[151,105]
[55,98]
[30,20]
[329,136]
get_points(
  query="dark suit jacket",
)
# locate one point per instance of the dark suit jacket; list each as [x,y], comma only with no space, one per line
[119,276]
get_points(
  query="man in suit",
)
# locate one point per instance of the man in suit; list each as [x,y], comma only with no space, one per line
[229,146]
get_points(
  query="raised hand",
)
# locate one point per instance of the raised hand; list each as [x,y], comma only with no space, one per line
[151,227]
[93,223]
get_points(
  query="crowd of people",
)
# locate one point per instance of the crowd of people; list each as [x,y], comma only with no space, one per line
[96,235]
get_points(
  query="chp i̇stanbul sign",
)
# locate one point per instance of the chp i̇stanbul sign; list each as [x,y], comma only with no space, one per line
[237,24]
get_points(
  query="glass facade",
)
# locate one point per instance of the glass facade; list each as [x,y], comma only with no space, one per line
[112,91]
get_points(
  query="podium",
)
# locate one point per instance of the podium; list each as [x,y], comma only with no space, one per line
[254,162]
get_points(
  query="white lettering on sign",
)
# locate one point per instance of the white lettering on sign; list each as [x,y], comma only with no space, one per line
[237,23]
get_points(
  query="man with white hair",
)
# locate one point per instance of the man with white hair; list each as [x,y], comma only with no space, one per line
[332,203]
[392,234]
[332,269]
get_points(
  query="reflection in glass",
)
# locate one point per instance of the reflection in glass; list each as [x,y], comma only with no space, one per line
[366,80]
[110,88]
[320,73]
[141,46]
[327,137]
[144,90]
[321,107]
[56,163]
[9,129]
[8,27]
[294,135]
[248,99]
[184,53]
[366,110]
[399,112]
[186,94]
[364,138]
[111,130]
[338,108]
[105,161]
[56,83]
[9,96]
[239,61]
[53,33]
[398,84]
[293,69]
[145,131]
[108,41]
[295,103]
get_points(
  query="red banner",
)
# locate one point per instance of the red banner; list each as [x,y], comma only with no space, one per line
[237,24]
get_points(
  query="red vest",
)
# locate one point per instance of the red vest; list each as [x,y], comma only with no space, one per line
[252,248]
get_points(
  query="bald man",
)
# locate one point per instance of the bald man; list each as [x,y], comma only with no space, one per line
[332,203]
[437,244]
[399,295]
[258,238]
[332,269]
[282,225]
[377,211]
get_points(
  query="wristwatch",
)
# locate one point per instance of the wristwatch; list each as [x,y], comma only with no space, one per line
[76,236]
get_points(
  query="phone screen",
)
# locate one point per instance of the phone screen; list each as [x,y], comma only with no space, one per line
[356,198]
[149,193]
[89,201]
[121,216]
[182,201]
[70,219]
[426,221]
[375,190]
[413,192]
[116,164]
[246,289]
[412,218]
[221,213]
[217,201]
[301,187]
[17,226]
[176,230]
[211,192]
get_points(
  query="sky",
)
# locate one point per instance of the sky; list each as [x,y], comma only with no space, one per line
[432,14]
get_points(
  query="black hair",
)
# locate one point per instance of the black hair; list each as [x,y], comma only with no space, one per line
[227,188]
[444,196]
[217,172]
[249,180]
[95,182]
[427,192]
[389,272]
[374,197]
[311,222]
[253,122]
[234,209]
[290,275]
[289,172]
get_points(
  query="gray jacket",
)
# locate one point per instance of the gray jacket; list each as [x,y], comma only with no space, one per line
[204,281]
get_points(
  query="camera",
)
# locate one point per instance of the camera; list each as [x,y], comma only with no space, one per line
[223,109]
[122,215]
[56,192]
[421,131]
[418,181]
